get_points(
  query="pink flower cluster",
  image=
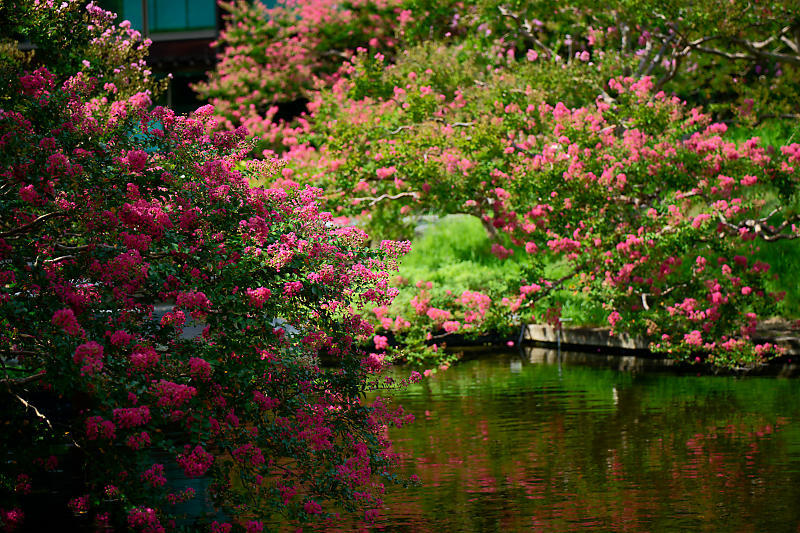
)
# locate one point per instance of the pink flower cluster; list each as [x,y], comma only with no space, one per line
[381,342]
[264,402]
[195,301]
[292,287]
[199,368]
[65,319]
[312,507]
[99,428]
[130,417]
[249,454]
[144,520]
[396,248]
[195,462]
[258,296]
[172,394]
[79,505]
[154,476]
[90,356]
[137,441]
[438,315]
[144,357]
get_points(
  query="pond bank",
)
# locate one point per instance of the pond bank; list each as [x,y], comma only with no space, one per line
[597,346]
[777,331]
[642,362]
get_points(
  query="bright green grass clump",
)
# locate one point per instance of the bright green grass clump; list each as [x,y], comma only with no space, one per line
[784,260]
[771,132]
[454,253]
[783,256]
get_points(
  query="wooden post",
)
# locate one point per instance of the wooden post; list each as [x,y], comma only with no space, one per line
[145,19]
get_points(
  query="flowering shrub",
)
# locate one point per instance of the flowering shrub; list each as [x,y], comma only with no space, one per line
[434,125]
[736,57]
[161,319]
[69,38]
[743,69]
[285,53]
[510,117]
[638,198]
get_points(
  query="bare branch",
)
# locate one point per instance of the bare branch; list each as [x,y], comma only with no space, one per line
[673,288]
[30,225]
[722,53]
[762,44]
[659,56]
[428,151]
[555,285]
[399,129]
[624,31]
[676,65]
[335,53]
[11,382]
[59,259]
[761,228]
[525,29]
[490,229]
[32,407]
[777,56]
[645,58]
[791,44]
[789,116]
[753,50]
[698,42]
[453,124]
[83,247]
[375,200]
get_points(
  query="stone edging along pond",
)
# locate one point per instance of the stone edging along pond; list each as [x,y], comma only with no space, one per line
[778,332]
[599,343]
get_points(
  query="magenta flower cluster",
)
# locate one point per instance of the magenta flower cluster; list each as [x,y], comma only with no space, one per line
[125,224]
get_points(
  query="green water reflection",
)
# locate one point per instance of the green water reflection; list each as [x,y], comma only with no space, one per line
[503,444]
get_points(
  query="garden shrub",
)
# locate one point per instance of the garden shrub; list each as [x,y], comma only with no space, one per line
[76,40]
[738,59]
[122,228]
[730,57]
[581,136]
[628,192]
[286,53]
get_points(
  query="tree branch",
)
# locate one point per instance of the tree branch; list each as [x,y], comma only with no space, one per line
[399,129]
[727,55]
[676,65]
[32,407]
[30,225]
[759,53]
[12,382]
[59,259]
[788,116]
[525,29]
[375,200]
[761,228]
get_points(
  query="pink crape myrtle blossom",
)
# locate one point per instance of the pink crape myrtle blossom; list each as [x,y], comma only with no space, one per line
[612,192]
[163,317]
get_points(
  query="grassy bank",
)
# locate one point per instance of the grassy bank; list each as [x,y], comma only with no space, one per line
[783,256]
[454,253]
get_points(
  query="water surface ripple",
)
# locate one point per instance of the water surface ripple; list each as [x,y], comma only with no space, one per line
[505,444]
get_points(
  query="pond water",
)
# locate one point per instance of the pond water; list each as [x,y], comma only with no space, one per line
[505,444]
